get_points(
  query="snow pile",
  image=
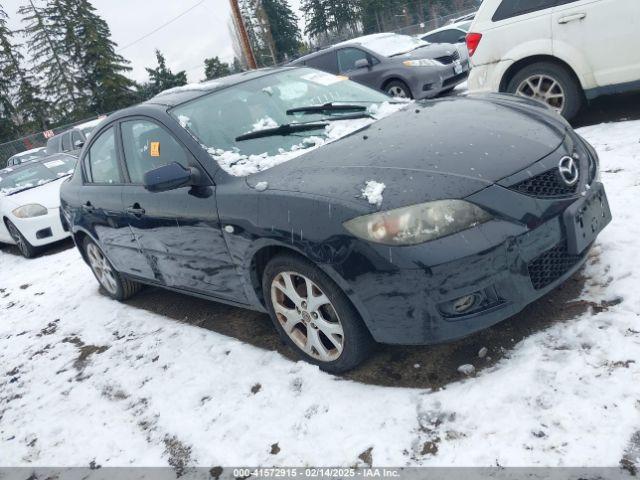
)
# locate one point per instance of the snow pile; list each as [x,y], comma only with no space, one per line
[86,379]
[264,123]
[373,191]
[240,165]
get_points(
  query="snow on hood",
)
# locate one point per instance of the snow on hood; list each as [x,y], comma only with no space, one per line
[47,195]
[240,165]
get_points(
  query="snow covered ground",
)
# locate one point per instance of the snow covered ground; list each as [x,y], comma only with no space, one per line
[85,379]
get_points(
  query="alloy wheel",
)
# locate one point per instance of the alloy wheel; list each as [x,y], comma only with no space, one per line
[307,316]
[18,238]
[397,91]
[544,89]
[102,269]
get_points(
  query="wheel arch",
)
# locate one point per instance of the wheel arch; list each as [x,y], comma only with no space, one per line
[5,227]
[395,78]
[264,253]
[513,70]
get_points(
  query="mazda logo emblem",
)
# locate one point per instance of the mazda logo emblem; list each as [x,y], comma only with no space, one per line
[569,171]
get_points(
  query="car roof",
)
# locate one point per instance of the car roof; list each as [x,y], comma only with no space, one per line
[48,158]
[186,93]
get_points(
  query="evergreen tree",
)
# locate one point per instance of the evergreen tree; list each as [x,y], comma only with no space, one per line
[315,14]
[283,25]
[100,70]
[46,31]
[20,93]
[214,68]
[162,78]
[237,66]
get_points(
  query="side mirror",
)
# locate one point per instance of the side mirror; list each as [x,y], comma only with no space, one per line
[78,144]
[169,177]
[362,63]
[462,39]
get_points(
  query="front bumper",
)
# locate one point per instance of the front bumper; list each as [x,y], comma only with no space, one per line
[435,82]
[40,231]
[505,265]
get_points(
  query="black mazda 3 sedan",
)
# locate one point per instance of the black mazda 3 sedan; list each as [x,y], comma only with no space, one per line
[347,217]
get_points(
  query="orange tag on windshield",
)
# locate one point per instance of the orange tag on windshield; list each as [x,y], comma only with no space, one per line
[155,149]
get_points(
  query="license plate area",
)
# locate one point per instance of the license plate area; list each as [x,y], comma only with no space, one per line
[457,67]
[586,218]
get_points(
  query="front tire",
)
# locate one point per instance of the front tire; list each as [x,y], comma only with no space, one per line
[398,89]
[313,316]
[112,282]
[26,249]
[551,84]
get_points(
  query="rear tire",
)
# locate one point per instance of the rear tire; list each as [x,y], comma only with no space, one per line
[398,89]
[313,316]
[549,83]
[112,282]
[26,249]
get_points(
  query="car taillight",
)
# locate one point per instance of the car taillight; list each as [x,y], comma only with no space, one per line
[473,40]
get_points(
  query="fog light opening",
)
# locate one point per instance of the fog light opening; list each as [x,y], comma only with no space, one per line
[464,304]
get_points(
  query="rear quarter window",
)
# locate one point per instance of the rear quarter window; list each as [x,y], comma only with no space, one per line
[514,8]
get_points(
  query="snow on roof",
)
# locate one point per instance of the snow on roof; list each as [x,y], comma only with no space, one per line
[387,44]
[192,87]
[90,124]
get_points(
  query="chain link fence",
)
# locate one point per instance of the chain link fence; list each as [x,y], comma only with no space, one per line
[36,140]
[331,38]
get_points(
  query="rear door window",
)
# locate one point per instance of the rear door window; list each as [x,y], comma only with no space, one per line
[515,8]
[148,146]
[101,162]
[327,62]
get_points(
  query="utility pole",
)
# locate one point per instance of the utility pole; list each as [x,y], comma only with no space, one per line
[244,36]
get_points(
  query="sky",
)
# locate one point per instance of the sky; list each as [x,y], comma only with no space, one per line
[202,32]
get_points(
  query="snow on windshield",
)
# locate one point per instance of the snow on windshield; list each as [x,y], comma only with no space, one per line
[390,44]
[240,165]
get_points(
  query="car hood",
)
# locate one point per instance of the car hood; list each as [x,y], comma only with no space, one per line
[47,195]
[449,148]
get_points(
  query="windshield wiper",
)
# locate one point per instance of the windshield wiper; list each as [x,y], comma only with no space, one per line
[291,128]
[327,108]
[281,130]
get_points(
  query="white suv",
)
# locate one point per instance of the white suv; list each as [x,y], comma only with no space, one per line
[562,52]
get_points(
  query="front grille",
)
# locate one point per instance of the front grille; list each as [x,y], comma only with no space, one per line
[546,185]
[552,265]
[449,59]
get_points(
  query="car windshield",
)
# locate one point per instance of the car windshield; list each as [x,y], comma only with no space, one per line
[31,176]
[390,45]
[219,119]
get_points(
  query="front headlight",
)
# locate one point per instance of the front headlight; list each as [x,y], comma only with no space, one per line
[30,211]
[422,63]
[418,223]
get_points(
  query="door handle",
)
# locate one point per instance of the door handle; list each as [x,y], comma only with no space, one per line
[87,207]
[572,18]
[136,211]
